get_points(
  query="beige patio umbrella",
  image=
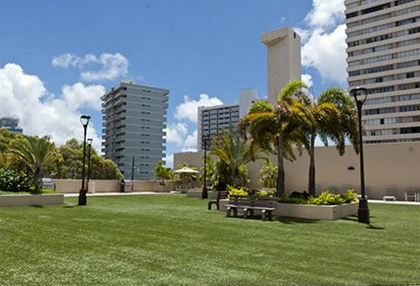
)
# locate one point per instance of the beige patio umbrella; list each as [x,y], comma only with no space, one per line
[186,170]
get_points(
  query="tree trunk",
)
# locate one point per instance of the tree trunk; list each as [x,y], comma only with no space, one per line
[311,187]
[236,179]
[280,171]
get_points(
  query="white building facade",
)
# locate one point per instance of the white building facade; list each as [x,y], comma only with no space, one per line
[383,39]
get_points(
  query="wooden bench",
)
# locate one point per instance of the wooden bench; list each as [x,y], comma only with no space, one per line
[249,205]
[220,196]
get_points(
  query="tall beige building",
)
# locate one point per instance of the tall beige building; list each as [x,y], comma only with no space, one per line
[383,39]
[283,59]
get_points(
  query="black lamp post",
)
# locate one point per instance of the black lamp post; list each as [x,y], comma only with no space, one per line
[89,163]
[360,94]
[84,119]
[204,194]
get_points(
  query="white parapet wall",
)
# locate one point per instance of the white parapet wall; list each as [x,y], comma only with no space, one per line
[390,165]
[31,200]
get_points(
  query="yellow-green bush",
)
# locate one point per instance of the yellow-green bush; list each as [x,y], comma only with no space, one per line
[232,191]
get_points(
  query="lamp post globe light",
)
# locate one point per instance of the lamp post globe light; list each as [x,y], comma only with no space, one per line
[90,140]
[84,119]
[204,193]
[360,94]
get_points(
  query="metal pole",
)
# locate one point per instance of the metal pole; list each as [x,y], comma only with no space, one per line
[363,211]
[89,166]
[204,193]
[132,171]
[82,194]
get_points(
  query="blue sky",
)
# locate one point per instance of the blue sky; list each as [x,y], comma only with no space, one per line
[189,47]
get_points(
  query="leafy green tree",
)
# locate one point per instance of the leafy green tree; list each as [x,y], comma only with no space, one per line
[37,153]
[277,129]
[162,173]
[5,137]
[268,174]
[69,166]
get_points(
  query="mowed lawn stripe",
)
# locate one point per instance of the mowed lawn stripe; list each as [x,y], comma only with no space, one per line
[175,240]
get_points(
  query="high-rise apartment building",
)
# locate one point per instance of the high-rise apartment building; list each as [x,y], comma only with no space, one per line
[11,124]
[211,120]
[134,119]
[383,39]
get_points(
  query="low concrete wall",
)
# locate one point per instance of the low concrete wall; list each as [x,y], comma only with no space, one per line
[316,212]
[31,200]
[111,186]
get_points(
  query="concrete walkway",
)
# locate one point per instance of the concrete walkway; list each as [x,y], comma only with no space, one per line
[72,195]
[171,193]
[394,203]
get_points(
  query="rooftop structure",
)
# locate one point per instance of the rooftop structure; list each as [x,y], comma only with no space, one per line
[283,60]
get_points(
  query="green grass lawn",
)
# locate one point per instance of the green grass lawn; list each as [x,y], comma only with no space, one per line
[174,240]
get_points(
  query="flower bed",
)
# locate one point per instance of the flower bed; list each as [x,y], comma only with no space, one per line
[316,212]
[326,206]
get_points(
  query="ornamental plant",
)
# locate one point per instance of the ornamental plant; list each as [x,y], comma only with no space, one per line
[14,181]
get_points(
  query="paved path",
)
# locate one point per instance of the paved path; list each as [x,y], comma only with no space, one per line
[163,193]
[119,194]
[394,203]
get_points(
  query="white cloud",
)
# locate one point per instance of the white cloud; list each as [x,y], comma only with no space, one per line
[176,132]
[112,66]
[326,14]
[188,109]
[307,79]
[327,53]
[170,160]
[191,140]
[40,113]
[324,46]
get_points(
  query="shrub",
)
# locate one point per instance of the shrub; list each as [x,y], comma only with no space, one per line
[350,196]
[237,191]
[13,181]
[326,198]
[48,191]
[287,199]
[265,193]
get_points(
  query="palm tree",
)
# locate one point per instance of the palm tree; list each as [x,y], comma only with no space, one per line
[333,117]
[162,173]
[277,129]
[268,174]
[233,152]
[38,154]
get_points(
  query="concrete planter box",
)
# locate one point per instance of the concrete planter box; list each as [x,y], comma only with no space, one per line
[197,194]
[316,212]
[31,200]
[310,211]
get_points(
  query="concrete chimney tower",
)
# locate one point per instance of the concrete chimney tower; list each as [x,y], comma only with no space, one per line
[283,60]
